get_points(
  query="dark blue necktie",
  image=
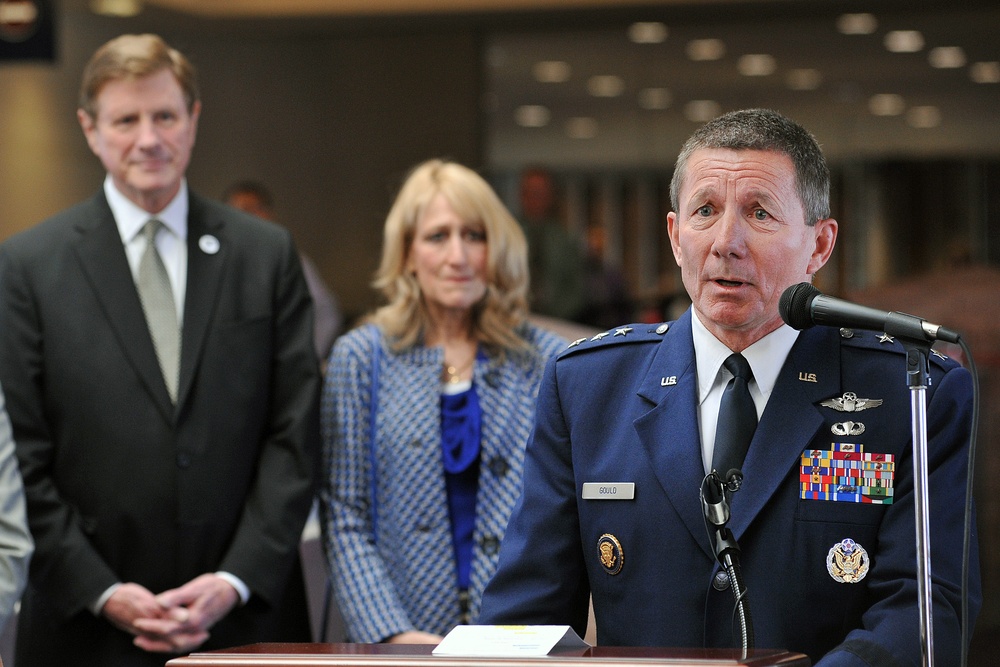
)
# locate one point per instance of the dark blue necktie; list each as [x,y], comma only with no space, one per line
[737,417]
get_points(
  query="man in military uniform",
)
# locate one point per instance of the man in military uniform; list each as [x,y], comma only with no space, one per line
[626,436]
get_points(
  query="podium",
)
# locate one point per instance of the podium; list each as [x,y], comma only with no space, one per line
[414,655]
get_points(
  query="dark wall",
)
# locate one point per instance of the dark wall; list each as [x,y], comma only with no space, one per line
[331,123]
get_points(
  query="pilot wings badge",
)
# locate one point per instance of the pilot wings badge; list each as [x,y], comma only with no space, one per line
[850,402]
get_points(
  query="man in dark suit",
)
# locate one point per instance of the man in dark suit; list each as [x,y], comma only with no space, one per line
[631,422]
[163,391]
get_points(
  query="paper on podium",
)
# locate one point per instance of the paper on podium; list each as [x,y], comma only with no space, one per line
[508,640]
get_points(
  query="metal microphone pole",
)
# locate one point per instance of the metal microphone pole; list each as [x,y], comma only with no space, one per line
[917,378]
[715,506]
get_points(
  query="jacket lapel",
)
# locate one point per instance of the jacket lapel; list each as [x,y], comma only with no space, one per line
[789,424]
[206,233]
[105,265]
[669,431]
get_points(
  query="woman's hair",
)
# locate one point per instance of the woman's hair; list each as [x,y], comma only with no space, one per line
[131,57]
[496,318]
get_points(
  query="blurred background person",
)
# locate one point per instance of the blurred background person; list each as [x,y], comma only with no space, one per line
[156,356]
[254,198]
[426,410]
[555,258]
[16,544]
[607,303]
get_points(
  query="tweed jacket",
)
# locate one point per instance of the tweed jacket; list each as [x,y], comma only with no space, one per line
[404,577]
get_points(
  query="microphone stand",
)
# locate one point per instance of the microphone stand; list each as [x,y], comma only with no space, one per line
[715,506]
[917,379]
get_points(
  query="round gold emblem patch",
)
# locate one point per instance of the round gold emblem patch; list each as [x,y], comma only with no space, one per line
[609,551]
[847,562]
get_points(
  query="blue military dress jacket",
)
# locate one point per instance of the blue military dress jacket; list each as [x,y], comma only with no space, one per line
[621,408]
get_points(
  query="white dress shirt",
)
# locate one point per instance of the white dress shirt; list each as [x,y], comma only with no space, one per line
[766,357]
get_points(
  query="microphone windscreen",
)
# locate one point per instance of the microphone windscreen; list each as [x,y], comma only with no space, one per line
[795,305]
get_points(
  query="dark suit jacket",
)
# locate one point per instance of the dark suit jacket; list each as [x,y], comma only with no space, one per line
[123,486]
[623,409]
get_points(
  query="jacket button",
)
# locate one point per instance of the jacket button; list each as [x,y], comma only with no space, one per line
[721,581]
[490,545]
[498,466]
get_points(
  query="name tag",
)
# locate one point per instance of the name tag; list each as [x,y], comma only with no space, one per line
[609,490]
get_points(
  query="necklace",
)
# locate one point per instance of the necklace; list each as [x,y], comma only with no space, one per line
[453,374]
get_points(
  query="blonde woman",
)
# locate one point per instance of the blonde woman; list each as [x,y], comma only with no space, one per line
[426,411]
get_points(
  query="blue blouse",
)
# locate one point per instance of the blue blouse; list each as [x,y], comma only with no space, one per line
[461,432]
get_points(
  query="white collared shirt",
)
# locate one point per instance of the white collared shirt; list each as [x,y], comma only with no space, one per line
[171,242]
[766,357]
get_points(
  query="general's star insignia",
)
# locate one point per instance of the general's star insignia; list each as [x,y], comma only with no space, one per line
[850,402]
[577,342]
[939,355]
[886,338]
[600,335]
[624,331]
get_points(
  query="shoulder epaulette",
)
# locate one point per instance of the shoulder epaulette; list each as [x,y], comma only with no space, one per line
[631,333]
[883,342]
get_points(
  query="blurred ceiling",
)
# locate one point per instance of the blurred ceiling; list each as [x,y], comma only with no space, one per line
[621,83]
[287,8]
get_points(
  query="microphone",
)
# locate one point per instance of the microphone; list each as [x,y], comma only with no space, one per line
[802,306]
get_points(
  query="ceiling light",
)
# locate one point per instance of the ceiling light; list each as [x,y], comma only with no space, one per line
[605,85]
[756,64]
[702,111]
[923,117]
[654,98]
[857,24]
[904,41]
[551,71]
[532,115]
[985,72]
[803,79]
[705,49]
[121,8]
[647,32]
[886,104]
[581,128]
[947,57]
[18,14]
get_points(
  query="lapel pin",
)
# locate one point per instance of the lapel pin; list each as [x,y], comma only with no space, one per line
[208,244]
[885,338]
[669,381]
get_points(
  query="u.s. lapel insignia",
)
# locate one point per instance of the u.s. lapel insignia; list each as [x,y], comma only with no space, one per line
[668,381]
[807,377]
[609,551]
[847,562]
[850,402]
[848,428]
